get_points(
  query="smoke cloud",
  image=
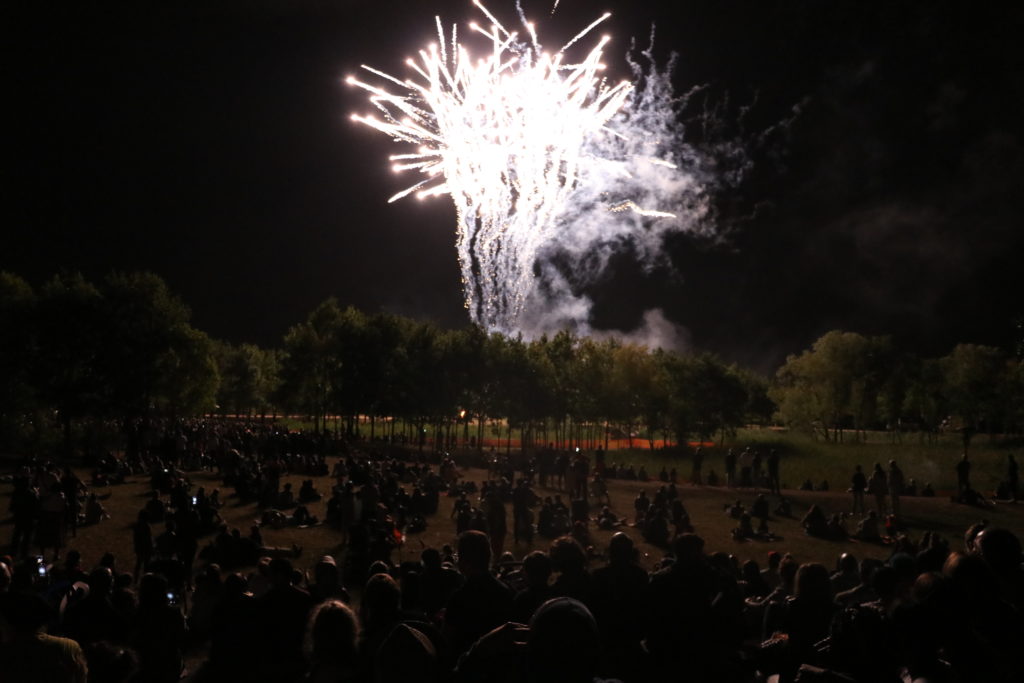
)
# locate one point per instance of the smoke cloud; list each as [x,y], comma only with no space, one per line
[643,182]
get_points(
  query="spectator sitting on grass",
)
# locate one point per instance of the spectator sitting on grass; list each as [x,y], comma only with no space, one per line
[815,523]
[745,529]
[867,528]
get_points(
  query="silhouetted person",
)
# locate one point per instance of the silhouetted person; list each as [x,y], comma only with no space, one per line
[963,474]
[158,631]
[858,485]
[482,602]
[773,472]
[681,633]
[879,487]
[896,485]
[537,570]
[282,614]
[1012,475]
[27,653]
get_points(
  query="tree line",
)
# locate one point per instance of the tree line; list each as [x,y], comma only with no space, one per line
[78,353]
[847,383]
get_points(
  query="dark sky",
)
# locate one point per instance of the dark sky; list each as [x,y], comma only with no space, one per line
[210,143]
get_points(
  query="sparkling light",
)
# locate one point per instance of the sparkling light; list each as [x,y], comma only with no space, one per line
[509,135]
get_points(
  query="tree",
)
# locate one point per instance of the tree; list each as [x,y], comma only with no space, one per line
[72,343]
[309,364]
[18,395]
[150,349]
[972,378]
[834,385]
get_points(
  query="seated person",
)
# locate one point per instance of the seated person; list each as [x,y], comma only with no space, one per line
[642,474]
[760,507]
[712,478]
[307,493]
[94,511]
[745,529]
[836,529]
[656,531]
[607,519]
[286,498]
[807,485]
[928,491]
[815,523]
[824,485]
[784,509]
[735,510]
[301,517]
[867,528]
[763,532]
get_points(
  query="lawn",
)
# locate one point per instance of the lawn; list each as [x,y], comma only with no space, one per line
[705,505]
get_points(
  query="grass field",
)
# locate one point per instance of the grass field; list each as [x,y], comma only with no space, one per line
[705,505]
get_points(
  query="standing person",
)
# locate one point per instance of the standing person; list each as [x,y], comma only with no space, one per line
[730,469]
[497,523]
[773,472]
[895,486]
[25,509]
[879,487]
[698,463]
[858,484]
[746,462]
[142,543]
[963,474]
[52,512]
[1012,475]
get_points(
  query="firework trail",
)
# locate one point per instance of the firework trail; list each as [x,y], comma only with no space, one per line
[537,151]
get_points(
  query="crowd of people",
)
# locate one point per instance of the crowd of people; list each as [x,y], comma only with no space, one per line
[236,608]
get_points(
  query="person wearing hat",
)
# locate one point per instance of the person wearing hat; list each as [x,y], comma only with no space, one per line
[28,654]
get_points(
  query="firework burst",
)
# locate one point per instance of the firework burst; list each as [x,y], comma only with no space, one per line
[514,135]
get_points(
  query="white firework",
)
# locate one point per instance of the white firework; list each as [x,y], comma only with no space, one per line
[510,135]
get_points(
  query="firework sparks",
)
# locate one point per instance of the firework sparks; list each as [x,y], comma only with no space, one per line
[510,135]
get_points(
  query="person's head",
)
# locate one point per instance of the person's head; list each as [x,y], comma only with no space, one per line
[867,569]
[235,586]
[153,590]
[474,553]
[621,549]
[23,612]
[382,600]
[971,535]
[326,571]
[688,549]
[563,644]
[405,656]
[812,583]
[567,556]
[537,568]
[787,572]
[101,580]
[774,558]
[430,558]
[1000,549]
[5,577]
[280,571]
[857,468]
[751,572]
[847,563]
[332,632]
[884,582]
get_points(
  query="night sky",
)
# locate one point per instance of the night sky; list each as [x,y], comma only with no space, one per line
[210,143]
